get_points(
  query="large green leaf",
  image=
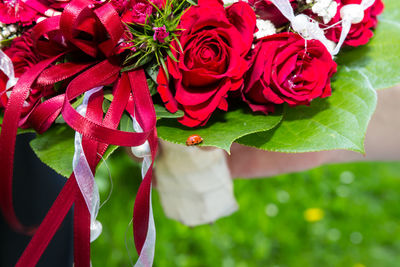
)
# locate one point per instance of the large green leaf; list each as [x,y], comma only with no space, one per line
[222,130]
[336,122]
[56,148]
[379,59]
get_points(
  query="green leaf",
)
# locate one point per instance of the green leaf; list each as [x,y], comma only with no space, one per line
[152,86]
[6,42]
[172,56]
[193,3]
[125,123]
[379,59]
[56,148]
[152,71]
[336,122]
[162,112]
[222,129]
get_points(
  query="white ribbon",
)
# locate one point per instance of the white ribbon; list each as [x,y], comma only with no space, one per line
[309,28]
[302,24]
[7,67]
[351,14]
[84,176]
[146,256]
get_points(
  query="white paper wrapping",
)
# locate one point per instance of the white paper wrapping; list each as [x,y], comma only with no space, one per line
[194,184]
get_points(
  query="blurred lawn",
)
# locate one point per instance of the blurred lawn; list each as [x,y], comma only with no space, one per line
[336,215]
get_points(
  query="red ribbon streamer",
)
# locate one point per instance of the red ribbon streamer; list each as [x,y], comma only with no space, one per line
[130,92]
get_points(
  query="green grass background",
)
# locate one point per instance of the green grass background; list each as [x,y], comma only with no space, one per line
[360,226]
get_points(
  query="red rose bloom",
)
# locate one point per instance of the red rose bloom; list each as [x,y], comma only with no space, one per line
[21,54]
[266,10]
[360,33]
[215,42]
[285,70]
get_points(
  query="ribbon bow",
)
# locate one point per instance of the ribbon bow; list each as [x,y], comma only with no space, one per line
[93,31]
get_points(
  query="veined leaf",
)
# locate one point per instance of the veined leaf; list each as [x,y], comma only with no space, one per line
[55,148]
[222,129]
[337,122]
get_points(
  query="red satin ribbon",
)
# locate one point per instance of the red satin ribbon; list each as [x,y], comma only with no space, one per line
[54,38]
[9,127]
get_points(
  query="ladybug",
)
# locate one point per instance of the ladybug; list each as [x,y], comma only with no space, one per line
[194,140]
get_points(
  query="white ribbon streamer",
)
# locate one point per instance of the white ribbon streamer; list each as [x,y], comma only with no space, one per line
[146,256]
[351,14]
[7,67]
[302,24]
[84,176]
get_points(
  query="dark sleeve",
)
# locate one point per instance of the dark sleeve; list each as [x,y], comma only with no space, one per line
[35,187]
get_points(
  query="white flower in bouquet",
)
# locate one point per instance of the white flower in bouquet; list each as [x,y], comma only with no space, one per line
[326,9]
[265,28]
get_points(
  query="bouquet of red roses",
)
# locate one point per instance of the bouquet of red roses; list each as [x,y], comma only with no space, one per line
[89,76]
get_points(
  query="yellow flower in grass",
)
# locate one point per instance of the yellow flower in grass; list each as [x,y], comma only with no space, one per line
[313,214]
[359,265]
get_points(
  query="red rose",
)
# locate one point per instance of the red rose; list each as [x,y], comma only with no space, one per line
[266,10]
[23,57]
[215,42]
[285,70]
[360,33]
